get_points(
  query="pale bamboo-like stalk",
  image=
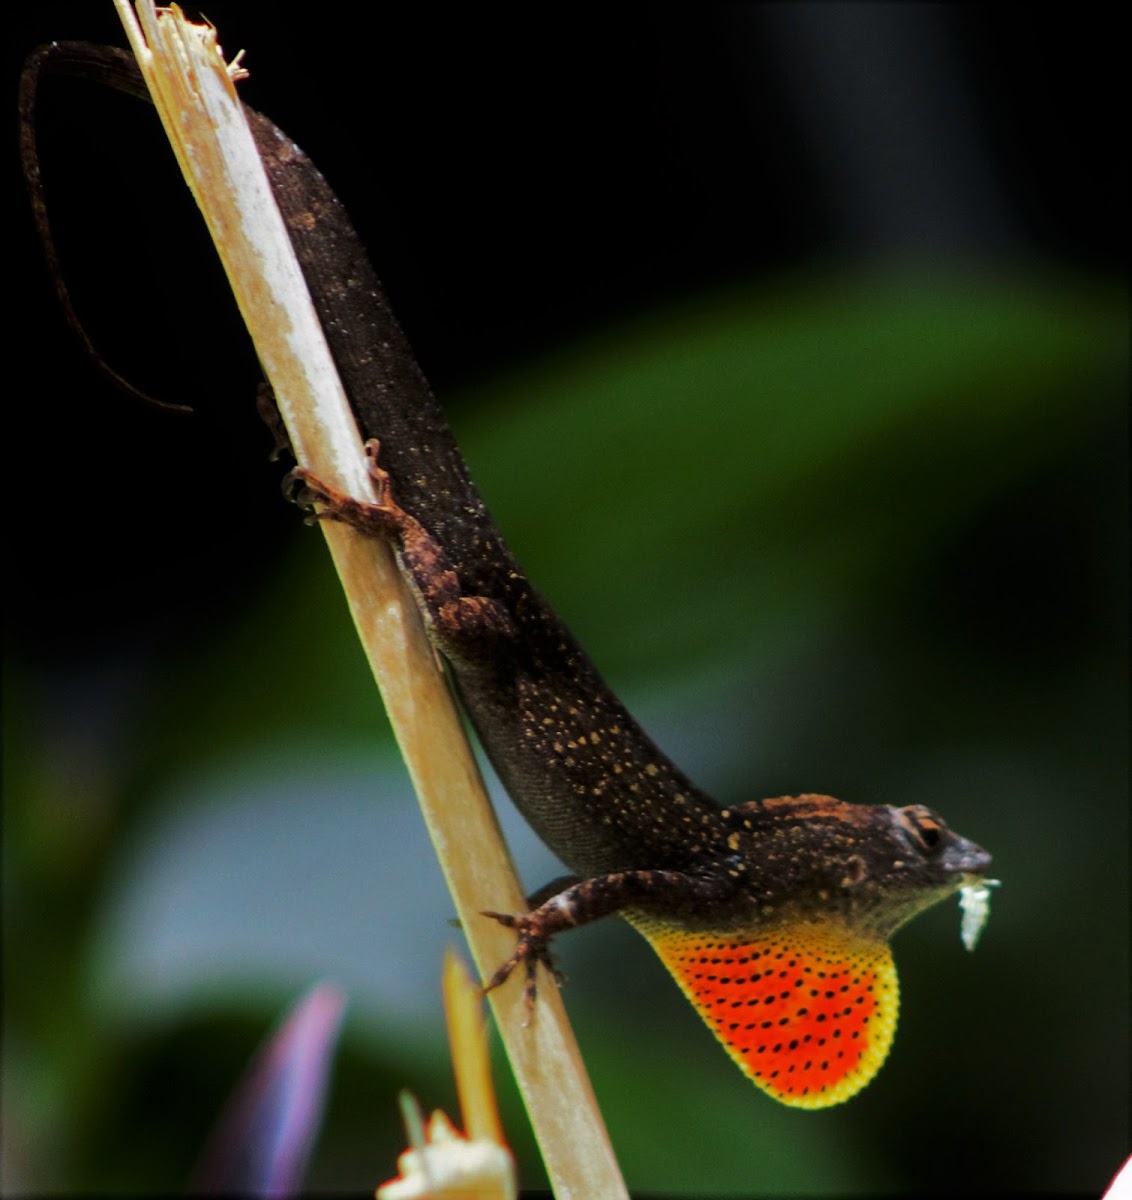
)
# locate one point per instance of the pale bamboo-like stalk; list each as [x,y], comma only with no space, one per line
[196,99]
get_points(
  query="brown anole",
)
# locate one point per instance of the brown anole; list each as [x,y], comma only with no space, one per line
[775,915]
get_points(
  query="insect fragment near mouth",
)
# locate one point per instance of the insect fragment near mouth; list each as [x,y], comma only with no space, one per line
[974,900]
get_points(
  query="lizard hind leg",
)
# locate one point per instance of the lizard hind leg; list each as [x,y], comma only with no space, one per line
[468,626]
[380,517]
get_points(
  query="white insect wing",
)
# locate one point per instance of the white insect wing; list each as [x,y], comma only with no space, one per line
[974,900]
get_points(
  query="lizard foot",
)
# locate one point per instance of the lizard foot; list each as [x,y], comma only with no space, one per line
[455,621]
[269,414]
[374,517]
[532,948]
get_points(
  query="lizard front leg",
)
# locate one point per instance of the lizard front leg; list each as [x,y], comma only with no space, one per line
[453,619]
[590,899]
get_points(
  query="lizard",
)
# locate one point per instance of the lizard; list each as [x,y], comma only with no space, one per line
[773,915]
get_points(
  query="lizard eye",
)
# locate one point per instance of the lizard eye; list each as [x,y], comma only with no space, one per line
[924,826]
[929,834]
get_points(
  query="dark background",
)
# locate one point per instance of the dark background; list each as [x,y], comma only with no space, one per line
[555,200]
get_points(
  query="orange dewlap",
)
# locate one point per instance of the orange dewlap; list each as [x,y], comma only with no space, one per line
[807,1010]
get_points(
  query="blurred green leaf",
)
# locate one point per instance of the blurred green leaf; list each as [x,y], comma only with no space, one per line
[699,475]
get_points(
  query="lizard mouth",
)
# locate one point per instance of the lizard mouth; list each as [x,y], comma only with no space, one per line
[966,859]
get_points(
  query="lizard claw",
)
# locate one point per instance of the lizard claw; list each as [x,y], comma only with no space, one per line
[305,490]
[301,488]
[532,948]
[375,519]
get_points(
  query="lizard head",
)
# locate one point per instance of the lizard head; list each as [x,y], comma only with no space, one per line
[872,866]
[918,860]
[800,986]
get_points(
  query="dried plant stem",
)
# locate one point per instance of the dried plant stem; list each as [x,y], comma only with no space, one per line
[196,99]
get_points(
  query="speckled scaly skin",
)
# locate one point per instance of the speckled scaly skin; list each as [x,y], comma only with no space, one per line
[773,915]
[810,885]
